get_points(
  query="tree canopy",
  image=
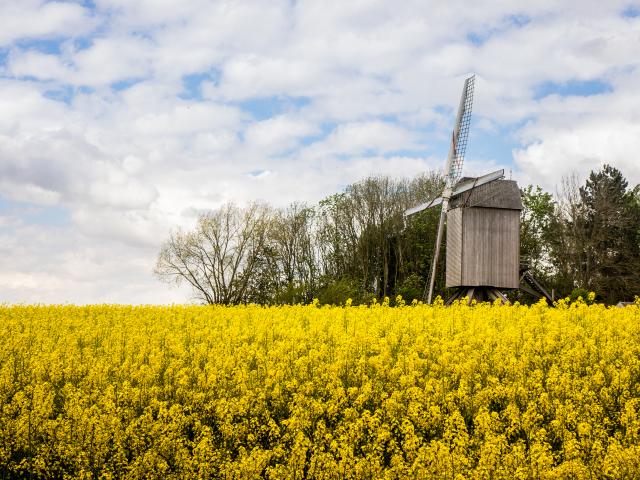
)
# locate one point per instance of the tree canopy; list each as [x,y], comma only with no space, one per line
[357,244]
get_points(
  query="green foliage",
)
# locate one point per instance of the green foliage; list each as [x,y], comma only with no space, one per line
[337,292]
[579,293]
[587,239]
[412,288]
[536,228]
[292,294]
[611,223]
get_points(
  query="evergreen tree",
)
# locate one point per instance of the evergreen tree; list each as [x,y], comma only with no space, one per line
[611,259]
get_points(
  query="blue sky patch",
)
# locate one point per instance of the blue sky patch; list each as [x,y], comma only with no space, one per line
[31,214]
[519,20]
[476,38]
[63,94]
[82,43]
[124,84]
[495,146]
[192,84]
[572,88]
[66,93]
[266,107]
[49,47]
[257,173]
[325,129]
[632,11]
[512,21]
[492,146]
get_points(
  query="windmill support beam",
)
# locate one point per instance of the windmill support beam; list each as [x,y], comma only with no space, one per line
[479,294]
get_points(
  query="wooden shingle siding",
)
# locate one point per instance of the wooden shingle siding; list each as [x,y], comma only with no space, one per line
[483,247]
[496,194]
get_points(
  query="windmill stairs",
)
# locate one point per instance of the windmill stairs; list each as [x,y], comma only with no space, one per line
[530,285]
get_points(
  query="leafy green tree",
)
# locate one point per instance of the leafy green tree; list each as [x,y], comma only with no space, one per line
[536,228]
[364,240]
[418,249]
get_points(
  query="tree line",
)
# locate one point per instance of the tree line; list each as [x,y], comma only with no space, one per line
[357,244]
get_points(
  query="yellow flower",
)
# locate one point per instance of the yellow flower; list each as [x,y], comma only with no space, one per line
[489,391]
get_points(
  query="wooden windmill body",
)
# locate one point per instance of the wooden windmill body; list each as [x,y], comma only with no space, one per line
[483,241]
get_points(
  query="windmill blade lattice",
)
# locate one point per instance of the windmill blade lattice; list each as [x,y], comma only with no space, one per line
[461,133]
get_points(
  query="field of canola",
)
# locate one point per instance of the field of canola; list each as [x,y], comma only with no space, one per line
[307,392]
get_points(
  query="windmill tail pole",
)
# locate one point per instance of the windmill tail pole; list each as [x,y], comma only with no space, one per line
[436,253]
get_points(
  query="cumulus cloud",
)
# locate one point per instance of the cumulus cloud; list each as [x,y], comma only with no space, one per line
[37,19]
[81,270]
[105,62]
[357,138]
[132,117]
[278,133]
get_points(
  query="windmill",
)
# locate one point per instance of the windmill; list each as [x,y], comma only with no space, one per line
[483,219]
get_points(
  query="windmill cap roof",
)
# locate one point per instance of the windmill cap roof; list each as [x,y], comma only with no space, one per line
[496,194]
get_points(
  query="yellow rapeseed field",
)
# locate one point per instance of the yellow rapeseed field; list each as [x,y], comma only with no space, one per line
[297,392]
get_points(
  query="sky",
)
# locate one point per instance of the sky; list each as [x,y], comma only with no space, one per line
[122,120]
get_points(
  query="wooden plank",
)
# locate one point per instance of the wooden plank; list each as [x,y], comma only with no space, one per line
[454,248]
[491,247]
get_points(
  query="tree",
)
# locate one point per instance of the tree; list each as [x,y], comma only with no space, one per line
[291,239]
[611,257]
[366,247]
[536,229]
[594,241]
[221,256]
[337,244]
[418,241]
[357,244]
[567,239]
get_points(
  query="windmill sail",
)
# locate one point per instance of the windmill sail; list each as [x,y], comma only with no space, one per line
[459,188]
[423,206]
[460,134]
[453,167]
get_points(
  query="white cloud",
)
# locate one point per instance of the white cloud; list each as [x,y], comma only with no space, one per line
[39,65]
[54,265]
[278,133]
[186,118]
[360,137]
[346,88]
[577,134]
[110,60]
[105,62]
[260,76]
[579,148]
[28,192]
[37,19]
